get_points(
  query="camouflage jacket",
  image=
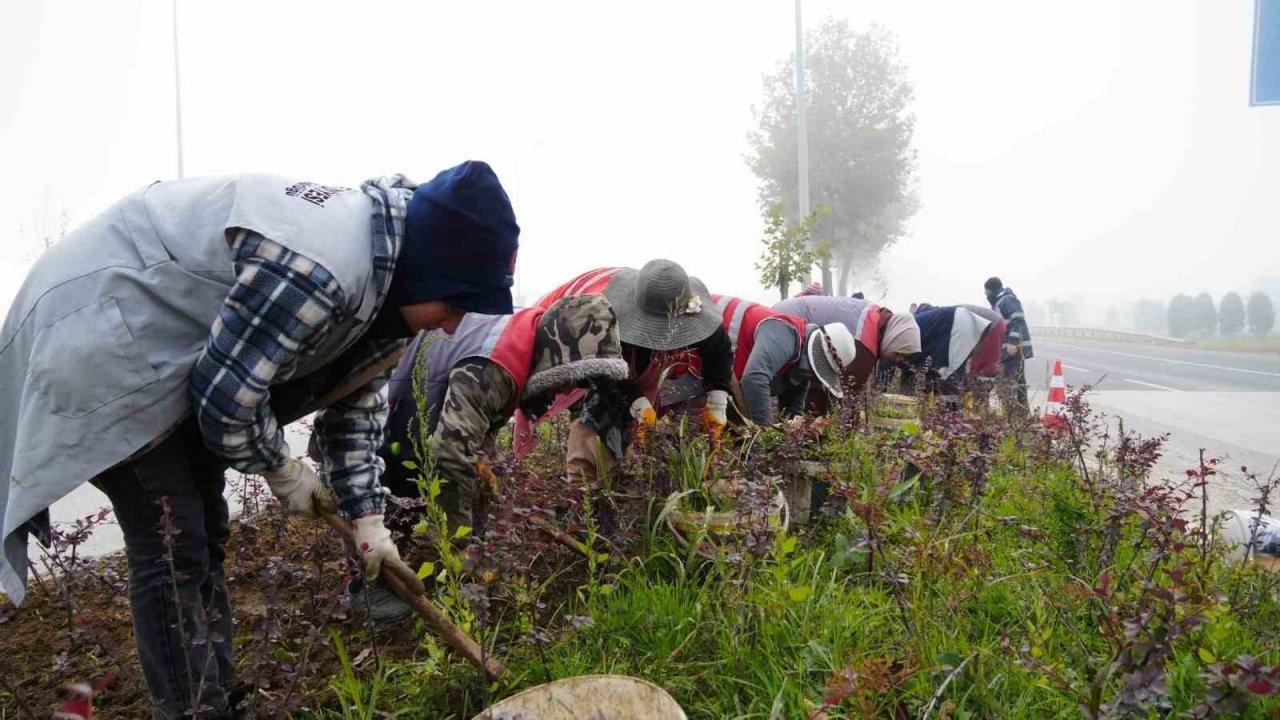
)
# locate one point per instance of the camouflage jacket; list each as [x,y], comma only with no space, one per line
[477,404]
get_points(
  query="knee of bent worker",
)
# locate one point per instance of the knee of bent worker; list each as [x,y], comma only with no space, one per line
[582,454]
[176,546]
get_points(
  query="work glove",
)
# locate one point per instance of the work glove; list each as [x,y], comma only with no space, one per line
[605,411]
[489,480]
[716,414]
[1011,350]
[377,553]
[645,416]
[295,484]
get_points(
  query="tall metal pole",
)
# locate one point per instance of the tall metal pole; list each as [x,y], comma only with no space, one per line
[802,119]
[802,129]
[177,87]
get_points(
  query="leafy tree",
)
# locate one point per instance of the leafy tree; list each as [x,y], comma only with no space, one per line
[1262,314]
[1206,315]
[1182,316]
[1231,315]
[788,251]
[861,163]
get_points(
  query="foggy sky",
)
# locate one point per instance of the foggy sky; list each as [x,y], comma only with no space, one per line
[1093,147]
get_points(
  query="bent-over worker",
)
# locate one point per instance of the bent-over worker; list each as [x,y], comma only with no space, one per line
[666,324]
[775,354]
[470,384]
[880,334]
[948,338]
[144,350]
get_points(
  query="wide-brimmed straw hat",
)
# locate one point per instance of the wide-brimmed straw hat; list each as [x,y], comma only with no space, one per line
[659,308]
[831,350]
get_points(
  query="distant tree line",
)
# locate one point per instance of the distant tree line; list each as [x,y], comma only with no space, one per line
[1187,316]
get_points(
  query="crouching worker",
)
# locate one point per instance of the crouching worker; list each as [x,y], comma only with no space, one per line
[775,354]
[467,386]
[667,325]
[949,336]
[142,353]
[880,334]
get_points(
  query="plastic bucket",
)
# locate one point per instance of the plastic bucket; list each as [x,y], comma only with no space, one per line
[589,697]
[888,411]
[1238,529]
[723,527]
[726,522]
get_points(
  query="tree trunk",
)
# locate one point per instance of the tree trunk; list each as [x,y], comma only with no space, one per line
[827,283]
[784,286]
[846,274]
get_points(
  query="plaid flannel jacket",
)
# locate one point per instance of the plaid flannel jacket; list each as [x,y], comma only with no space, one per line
[282,307]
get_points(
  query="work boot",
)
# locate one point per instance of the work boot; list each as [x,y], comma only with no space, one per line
[376,603]
[238,702]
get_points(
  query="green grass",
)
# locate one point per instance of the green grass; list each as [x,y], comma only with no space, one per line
[972,607]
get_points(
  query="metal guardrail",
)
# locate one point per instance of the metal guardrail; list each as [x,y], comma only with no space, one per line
[1087,333]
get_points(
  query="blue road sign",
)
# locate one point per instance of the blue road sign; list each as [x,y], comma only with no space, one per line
[1265,85]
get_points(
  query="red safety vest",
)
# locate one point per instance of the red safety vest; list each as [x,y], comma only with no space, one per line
[741,318]
[513,348]
[592,282]
[503,339]
[671,363]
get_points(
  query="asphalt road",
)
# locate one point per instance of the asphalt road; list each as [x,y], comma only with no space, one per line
[1226,403]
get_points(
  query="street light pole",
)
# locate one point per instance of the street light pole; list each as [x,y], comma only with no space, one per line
[802,119]
[802,128]
[177,87]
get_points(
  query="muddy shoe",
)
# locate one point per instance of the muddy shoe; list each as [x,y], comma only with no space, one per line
[376,603]
[238,702]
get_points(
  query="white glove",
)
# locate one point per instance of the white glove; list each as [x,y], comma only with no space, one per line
[294,484]
[642,411]
[376,551]
[718,406]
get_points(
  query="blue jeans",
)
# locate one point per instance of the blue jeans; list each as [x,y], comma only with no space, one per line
[187,666]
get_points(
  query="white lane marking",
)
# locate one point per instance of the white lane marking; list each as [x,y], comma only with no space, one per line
[1166,360]
[1077,369]
[1151,385]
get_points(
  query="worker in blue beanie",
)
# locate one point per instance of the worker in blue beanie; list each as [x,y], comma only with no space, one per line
[460,243]
[181,330]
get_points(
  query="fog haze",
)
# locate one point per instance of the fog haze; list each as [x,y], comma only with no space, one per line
[1098,149]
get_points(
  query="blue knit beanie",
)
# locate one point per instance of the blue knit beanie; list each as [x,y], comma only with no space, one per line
[460,243]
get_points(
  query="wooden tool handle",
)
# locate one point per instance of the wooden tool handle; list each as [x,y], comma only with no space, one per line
[451,633]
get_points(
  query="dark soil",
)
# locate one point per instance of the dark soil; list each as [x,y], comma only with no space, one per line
[286,577]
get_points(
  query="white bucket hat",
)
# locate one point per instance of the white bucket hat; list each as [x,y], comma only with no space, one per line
[831,350]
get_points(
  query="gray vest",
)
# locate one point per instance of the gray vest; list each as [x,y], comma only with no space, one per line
[824,310]
[477,336]
[98,346]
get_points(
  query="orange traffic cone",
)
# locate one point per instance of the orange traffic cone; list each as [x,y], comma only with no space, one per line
[1055,410]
